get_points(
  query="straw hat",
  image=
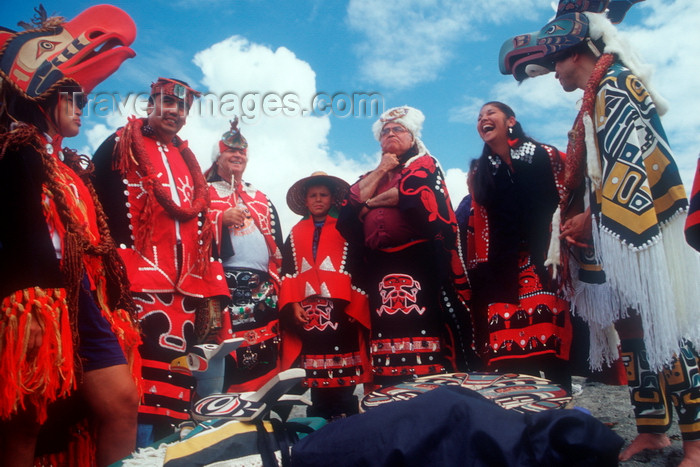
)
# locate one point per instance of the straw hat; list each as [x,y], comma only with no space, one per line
[296,196]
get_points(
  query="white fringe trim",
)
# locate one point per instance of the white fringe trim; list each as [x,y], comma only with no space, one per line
[684,275]
[659,281]
[600,307]
[554,251]
[146,457]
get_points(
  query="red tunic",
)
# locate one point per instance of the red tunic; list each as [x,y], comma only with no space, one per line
[156,201]
[223,198]
[313,281]
[154,268]
[256,320]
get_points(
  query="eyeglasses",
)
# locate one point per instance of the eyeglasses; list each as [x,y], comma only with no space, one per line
[396,129]
[179,89]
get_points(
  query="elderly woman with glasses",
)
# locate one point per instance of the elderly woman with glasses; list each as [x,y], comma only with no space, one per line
[415,278]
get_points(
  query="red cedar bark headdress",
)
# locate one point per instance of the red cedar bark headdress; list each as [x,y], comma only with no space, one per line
[176,88]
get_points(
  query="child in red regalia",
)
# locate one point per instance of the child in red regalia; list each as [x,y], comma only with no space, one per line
[324,314]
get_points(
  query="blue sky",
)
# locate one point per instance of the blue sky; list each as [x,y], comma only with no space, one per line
[438,56]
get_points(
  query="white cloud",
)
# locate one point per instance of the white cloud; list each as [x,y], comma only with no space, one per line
[467,112]
[97,134]
[282,149]
[408,43]
[542,93]
[456,180]
[237,65]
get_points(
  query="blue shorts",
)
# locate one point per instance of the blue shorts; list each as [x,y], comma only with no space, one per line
[98,346]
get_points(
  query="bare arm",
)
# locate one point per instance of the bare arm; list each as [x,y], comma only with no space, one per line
[388,198]
[369,184]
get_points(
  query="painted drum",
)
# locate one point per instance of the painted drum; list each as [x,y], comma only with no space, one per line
[521,393]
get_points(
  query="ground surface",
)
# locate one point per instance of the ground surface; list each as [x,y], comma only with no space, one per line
[611,405]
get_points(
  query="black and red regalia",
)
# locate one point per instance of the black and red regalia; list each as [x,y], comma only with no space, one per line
[522,323]
[254,291]
[156,199]
[417,287]
[332,345]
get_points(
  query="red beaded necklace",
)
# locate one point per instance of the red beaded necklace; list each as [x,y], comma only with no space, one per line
[131,153]
[576,149]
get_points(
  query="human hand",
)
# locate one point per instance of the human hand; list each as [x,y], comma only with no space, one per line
[300,314]
[388,162]
[577,230]
[234,216]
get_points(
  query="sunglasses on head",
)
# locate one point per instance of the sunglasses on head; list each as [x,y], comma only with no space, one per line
[79,98]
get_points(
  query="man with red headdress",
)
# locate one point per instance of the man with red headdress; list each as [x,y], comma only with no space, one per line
[157,202]
[66,316]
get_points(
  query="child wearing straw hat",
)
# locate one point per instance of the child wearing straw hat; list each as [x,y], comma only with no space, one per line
[323,312]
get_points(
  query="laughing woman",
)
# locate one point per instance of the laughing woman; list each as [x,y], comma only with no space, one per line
[522,325]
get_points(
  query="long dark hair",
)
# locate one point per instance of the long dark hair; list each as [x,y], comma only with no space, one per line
[483,183]
[17,108]
[36,117]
